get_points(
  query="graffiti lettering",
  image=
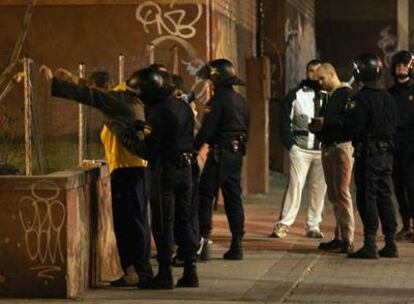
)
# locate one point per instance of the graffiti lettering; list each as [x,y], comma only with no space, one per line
[42,219]
[388,44]
[172,22]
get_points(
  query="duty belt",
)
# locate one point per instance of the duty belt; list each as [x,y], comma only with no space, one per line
[185,159]
[373,147]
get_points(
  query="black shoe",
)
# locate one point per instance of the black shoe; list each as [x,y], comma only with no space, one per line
[334,245]
[163,280]
[177,261]
[121,283]
[347,248]
[389,251]
[189,278]
[203,250]
[236,250]
[364,253]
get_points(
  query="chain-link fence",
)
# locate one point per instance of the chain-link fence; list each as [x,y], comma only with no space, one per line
[40,134]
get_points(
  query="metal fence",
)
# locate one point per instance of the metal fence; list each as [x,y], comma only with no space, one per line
[40,134]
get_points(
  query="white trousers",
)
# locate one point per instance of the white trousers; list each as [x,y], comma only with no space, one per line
[305,165]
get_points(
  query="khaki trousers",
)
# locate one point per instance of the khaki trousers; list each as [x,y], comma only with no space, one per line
[337,162]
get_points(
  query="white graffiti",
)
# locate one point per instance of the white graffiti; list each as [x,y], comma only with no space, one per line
[42,219]
[173,22]
[388,44]
[44,271]
[200,86]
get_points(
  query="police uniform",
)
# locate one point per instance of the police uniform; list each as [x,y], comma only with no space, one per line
[128,171]
[225,130]
[403,174]
[370,120]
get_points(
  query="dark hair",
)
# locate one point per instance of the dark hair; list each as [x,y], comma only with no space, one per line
[312,63]
[178,82]
[101,79]
[158,67]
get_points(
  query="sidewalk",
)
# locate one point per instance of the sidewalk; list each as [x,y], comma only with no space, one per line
[278,271]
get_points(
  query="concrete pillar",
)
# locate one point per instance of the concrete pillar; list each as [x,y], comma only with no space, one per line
[403,25]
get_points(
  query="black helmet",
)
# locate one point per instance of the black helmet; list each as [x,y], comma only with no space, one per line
[404,57]
[367,67]
[145,83]
[220,72]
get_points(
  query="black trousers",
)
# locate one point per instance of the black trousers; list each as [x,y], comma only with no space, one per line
[403,177]
[225,174]
[373,182]
[131,225]
[172,209]
[194,210]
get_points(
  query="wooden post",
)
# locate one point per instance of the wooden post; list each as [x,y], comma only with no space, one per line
[121,70]
[82,123]
[258,95]
[28,121]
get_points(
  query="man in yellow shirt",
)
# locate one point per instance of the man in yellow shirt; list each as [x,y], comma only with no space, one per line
[121,109]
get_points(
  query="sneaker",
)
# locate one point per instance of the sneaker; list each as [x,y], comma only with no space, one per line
[280,231]
[404,234]
[203,251]
[314,234]
[177,261]
[334,245]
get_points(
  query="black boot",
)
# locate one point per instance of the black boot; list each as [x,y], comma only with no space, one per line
[368,251]
[163,280]
[145,275]
[390,249]
[190,277]
[236,250]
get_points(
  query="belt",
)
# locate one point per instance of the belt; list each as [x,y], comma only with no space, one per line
[300,133]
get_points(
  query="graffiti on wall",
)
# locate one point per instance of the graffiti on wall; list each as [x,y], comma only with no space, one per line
[173,24]
[42,218]
[388,43]
[300,48]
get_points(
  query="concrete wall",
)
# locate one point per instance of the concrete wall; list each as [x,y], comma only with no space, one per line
[56,234]
[347,28]
[289,41]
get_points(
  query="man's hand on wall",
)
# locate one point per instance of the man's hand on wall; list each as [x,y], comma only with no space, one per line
[66,75]
[46,72]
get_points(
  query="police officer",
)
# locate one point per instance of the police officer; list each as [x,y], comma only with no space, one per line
[122,109]
[403,174]
[224,129]
[370,120]
[171,146]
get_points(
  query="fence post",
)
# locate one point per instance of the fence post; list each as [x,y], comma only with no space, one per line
[121,68]
[175,59]
[82,123]
[151,53]
[28,121]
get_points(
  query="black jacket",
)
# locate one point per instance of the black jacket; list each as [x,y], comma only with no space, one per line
[121,109]
[333,113]
[404,98]
[172,123]
[228,114]
[370,114]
